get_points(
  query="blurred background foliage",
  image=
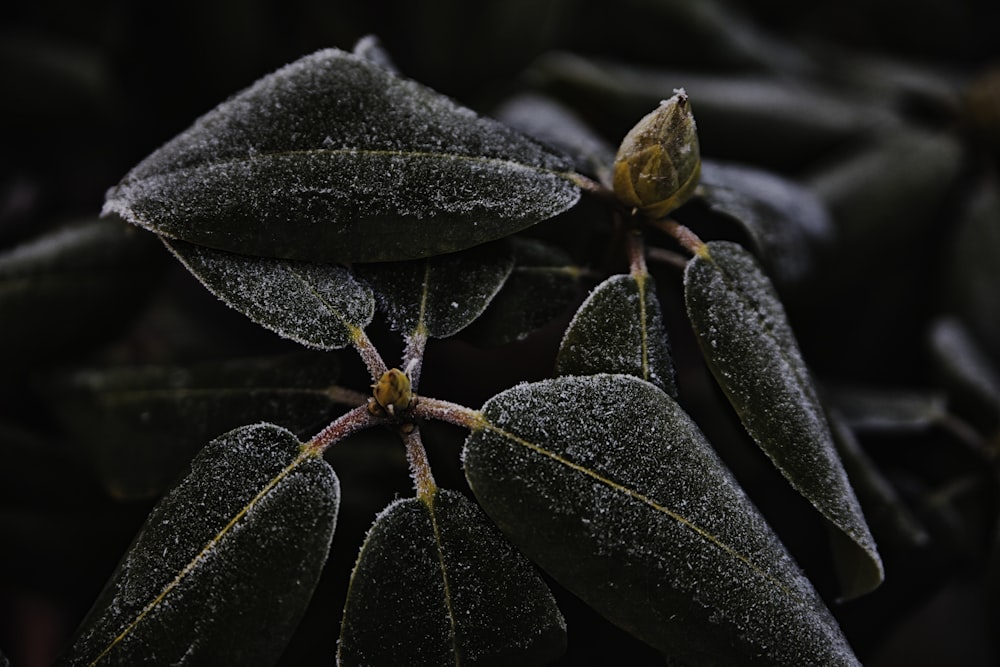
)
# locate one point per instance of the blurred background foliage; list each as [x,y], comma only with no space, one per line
[886,109]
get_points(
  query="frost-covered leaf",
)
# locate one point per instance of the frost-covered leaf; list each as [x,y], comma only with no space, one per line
[619,329]
[785,220]
[371,49]
[335,159]
[437,584]
[318,305]
[69,288]
[226,563]
[552,123]
[610,487]
[142,425]
[439,295]
[889,517]
[748,344]
[543,284]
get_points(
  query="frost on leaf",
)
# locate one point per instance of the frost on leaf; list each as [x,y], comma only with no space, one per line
[609,486]
[619,329]
[237,546]
[439,295]
[318,305]
[786,221]
[437,584]
[334,158]
[750,348]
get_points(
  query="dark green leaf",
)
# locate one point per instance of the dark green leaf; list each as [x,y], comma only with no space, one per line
[785,220]
[541,287]
[883,410]
[318,305]
[226,563]
[611,488]
[142,425]
[888,516]
[437,584]
[439,295]
[90,273]
[750,348]
[551,123]
[619,329]
[335,159]
[755,118]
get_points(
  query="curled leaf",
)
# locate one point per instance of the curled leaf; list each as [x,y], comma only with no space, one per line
[335,159]
[318,305]
[610,487]
[225,565]
[437,584]
[750,348]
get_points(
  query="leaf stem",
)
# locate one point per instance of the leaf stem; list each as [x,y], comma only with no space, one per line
[420,468]
[345,396]
[636,246]
[350,422]
[452,413]
[413,355]
[373,360]
[684,236]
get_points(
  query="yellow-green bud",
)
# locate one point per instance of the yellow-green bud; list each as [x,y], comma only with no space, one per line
[658,163]
[392,392]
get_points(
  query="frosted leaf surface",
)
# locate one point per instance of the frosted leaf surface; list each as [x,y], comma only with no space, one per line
[235,548]
[748,344]
[437,584]
[335,159]
[551,123]
[439,295]
[140,425]
[619,329]
[785,220]
[610,487]
[318,305]
[541,287]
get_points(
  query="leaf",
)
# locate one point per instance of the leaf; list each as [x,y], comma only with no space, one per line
[619,329]
[885,510]
[317,305]
[141,425]
[437,584]
[786,221]
[966,367]
[92,272]
[750,348]
[226,563]
[335,159]
[541,287]
[555,125]
[439,295]
[610,487]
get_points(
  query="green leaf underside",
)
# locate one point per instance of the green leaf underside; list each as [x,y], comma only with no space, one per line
[619,329]
[609,486]
[143,424]
[437,584]
[226,563]
[441,295]
[746,340]
[318,305]
[333,158]
[784,219]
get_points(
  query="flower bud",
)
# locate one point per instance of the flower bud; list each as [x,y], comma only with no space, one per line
[392,392]
[658,163]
